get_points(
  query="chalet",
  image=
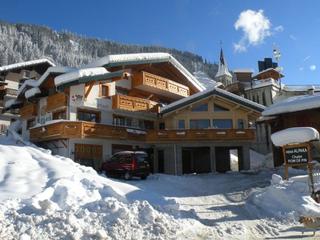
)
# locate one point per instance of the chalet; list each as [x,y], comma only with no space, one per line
[298,111]
[11,77]
[146,101]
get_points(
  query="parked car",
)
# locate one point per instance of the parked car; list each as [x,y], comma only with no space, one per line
[127,164]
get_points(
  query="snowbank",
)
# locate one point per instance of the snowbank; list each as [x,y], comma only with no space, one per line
[52,197]
[285,199]
[294,136]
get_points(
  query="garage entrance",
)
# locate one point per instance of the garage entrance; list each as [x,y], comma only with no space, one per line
[88,155]
[229,159]
[196,160]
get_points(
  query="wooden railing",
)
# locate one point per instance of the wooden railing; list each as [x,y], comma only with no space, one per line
[56,101]
[69,129]
[27,111]
[160,85]
[133,104]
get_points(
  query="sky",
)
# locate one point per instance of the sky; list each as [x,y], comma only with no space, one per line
[248,29]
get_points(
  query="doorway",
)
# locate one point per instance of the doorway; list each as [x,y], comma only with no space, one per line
[88,155]
[196,160]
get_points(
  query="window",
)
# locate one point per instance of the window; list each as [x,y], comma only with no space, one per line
[122,121]
[31,123]
[222,123]
[217,108]
[59,115]
[162,126]
[148,124]
[181,124]
[241,124]
[104,90]
[89,116]
[199,123]
[200,108]
[264,102]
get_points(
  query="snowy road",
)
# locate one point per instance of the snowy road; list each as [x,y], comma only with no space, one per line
[218,201]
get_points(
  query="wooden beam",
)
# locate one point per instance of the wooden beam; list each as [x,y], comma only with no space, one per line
[88,89]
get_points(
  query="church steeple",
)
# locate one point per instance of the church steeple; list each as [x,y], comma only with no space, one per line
[223,75]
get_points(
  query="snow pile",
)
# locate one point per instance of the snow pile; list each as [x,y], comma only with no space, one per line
[75,75]
[285,199]
[294,135]
[52,197]
[293,104]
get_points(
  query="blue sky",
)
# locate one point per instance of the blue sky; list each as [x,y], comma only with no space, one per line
[248,29]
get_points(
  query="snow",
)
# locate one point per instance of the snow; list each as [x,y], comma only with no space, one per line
[26,64]
[205,80]
[294,135]
[146,57]
[293,104]
[301,88]
[37,83]
[32,92]
[80,73]
[52,197]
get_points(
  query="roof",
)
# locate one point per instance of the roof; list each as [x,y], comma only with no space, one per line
[210,92]
[223,67]
[243,70]
[301,88]
[143,58]
[26,64]
[36,83]
[84,75]
[267,70]
[293,104]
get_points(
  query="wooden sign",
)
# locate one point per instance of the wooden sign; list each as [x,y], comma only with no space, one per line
[296,155]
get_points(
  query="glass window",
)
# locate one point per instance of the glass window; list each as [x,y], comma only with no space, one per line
[218,108]
[59,115]
[222,123]
[89,116]
[199,123]
[162,126]
[241,124]
[200,108]
[141,157]
[181,124]
[31,123]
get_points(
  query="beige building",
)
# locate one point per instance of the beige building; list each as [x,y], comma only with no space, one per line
[146,101]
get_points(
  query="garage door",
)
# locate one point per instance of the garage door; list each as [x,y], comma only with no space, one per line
[88,155]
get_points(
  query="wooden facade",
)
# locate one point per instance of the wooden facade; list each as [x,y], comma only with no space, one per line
[159,85]
[56,101]
[28,111]
[132,104]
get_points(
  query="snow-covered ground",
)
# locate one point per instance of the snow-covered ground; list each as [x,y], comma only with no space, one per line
[51,197]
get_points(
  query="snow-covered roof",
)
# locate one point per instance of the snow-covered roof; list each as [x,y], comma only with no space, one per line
[293,104]
[294,135]
[36,83]
[267,70]
[142,58]
[32,92]
[25,64]
[205,80]
[85,74]
[243,70]
[210,92]
[11,102]
[301,88]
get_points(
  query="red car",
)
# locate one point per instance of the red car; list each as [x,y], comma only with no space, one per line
[127,164]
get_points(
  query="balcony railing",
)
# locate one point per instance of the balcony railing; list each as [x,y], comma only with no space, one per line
[133,104]
[28,111]
[56,101]
[159,85]
[69,129]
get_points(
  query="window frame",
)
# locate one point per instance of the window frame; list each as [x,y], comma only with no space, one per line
[88,111]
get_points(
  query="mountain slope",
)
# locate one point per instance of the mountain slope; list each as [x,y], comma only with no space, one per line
[22,42]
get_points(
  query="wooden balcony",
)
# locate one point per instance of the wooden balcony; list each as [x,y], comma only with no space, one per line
[133,104]
[56,101]
[155,136]
[80,129]
[69,129]
[159,85]
[28,111]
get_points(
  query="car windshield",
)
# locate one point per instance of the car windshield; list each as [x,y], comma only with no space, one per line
[141,157]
